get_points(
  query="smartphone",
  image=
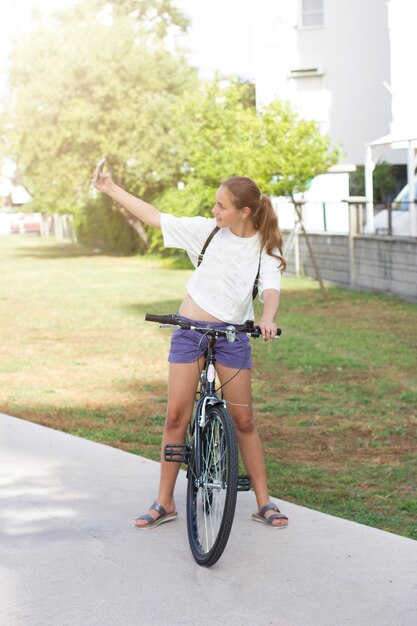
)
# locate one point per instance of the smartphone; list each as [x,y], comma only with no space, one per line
[98,171]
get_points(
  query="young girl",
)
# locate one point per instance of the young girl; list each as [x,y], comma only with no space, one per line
[219,291]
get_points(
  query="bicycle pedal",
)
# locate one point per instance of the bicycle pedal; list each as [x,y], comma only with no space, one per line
[243,483]
[177,452]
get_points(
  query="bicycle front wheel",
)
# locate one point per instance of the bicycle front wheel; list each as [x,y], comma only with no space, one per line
[211,496]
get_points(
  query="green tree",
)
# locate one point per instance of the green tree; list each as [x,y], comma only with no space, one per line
[97,83]
[155,18]
[384,182]
[292,149]
[225,136]
[101,81]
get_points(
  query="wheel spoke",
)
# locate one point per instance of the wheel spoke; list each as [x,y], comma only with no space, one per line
[212,496]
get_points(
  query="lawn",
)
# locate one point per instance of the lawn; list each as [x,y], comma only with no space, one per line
[335,398]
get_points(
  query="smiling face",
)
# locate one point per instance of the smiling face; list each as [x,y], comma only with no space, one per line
[225,212]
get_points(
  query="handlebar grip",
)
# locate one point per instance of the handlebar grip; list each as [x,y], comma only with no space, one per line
[256,332]
[160,319]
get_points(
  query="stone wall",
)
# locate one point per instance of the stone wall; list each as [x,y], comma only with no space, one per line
[366,262]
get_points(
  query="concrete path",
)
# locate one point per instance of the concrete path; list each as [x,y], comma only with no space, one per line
[70,555]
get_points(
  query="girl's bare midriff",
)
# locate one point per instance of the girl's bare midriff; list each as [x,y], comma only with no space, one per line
[190,309]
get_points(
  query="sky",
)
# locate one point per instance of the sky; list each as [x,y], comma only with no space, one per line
[15,19]
[220,35]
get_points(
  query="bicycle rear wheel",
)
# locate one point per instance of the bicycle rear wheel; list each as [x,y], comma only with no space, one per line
[211,496]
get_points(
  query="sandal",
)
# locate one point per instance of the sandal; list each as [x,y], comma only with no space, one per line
[163,517]
[260,516]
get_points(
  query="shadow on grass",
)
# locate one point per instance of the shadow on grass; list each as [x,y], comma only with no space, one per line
[58,251]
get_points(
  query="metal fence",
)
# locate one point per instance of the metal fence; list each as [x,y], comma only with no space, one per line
[390,219]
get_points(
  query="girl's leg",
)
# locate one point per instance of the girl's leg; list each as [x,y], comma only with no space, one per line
[238,396]
[182,384]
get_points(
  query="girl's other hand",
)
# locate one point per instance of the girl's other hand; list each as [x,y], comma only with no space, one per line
[268,330]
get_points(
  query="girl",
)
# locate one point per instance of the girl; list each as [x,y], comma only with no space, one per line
[219,291]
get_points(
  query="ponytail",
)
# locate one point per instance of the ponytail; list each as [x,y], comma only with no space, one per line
[246,193]
[265,221]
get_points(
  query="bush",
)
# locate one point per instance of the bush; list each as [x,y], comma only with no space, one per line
[100,226]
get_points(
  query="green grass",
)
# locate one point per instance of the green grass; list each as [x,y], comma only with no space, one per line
[335,398]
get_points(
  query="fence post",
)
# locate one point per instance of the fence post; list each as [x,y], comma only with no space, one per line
[296,253]
[297,227]
[369,189]
[356,205]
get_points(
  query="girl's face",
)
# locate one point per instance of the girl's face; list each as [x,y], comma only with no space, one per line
[225,212]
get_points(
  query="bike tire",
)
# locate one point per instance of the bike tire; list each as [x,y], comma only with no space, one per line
[211,497]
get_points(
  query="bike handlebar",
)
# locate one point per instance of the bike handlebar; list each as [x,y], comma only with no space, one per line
[247,328]
[161,319]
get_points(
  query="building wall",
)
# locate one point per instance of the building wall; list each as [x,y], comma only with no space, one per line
[402,20]
[352,53]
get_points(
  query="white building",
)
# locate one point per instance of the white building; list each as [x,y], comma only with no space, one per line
[346,64]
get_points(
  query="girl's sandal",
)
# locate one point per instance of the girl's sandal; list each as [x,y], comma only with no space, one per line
[151,522]
[260,516]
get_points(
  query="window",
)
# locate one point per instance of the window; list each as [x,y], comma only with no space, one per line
[312,13]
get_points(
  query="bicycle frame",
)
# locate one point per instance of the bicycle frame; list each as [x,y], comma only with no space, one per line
[180,453]
[208,395]
[212,453]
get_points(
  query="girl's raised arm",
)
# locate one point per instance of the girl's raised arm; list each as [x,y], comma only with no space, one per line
[140,209]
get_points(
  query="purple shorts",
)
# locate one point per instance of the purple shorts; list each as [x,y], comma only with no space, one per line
[188,346]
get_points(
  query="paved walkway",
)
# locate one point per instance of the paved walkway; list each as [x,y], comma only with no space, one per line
[70,555]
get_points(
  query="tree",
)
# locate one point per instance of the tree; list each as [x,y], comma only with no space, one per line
[97,82]
[225,136]
[114,89]
[155,18]
[385,183]
[293,150]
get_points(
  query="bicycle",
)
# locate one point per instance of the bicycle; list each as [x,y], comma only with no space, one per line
[210,451]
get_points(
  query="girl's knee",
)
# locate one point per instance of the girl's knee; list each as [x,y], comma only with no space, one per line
[244,423]
[176,419]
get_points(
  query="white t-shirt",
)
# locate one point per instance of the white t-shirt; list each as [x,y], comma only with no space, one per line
[222,285]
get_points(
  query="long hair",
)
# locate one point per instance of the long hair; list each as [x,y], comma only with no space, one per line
[246,193]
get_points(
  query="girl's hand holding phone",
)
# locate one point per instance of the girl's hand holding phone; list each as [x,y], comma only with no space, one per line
[100,180]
